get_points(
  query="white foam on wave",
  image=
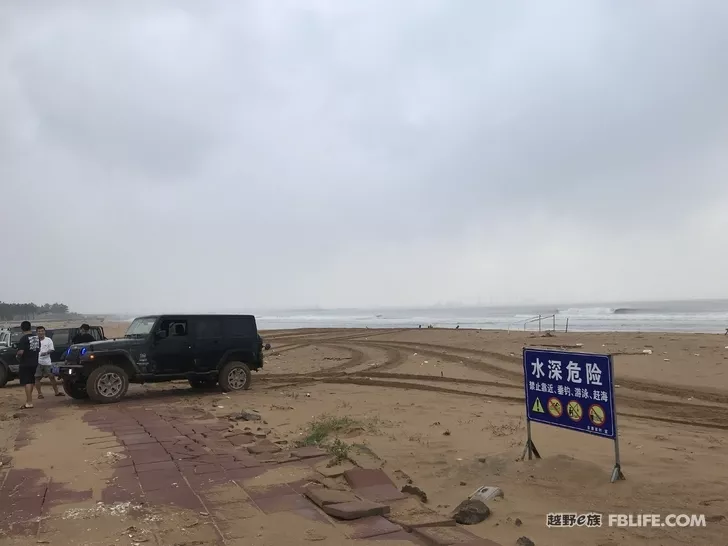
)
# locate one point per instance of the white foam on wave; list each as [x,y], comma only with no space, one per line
[587,311]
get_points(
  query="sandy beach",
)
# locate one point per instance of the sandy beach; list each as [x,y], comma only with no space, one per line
[442,409]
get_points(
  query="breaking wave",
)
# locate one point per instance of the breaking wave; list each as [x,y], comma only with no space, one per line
[587,311]
[610,311]
[633,311]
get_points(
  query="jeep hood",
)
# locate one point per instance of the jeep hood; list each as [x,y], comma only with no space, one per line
[110,344]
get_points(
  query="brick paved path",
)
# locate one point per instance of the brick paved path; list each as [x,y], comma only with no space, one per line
[191,460]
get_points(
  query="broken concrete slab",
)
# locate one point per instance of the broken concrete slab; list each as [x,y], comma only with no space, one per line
[365,458]
[264,446]
[334,471]
[335,483]
[321,496]
[356,510]
[375,526]
[380,493]
[367,477]
[411,514]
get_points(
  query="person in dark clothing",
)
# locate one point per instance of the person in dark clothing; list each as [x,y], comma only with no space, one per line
[28,350]
[83,336]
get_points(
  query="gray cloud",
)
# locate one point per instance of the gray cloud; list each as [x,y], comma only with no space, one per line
[224,155]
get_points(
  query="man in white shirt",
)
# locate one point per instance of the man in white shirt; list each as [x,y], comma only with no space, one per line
[44,362]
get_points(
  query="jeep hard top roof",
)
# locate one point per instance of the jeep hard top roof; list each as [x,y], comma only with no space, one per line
[245,324]
[195,315]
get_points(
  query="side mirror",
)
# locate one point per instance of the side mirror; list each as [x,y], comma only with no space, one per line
[267,346]
[160,334]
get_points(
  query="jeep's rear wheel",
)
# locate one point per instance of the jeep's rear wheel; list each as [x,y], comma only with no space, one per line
[235,376]
[75,389]
[107,383]
[203,382]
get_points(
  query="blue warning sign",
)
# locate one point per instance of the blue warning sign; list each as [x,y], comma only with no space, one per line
[570,390]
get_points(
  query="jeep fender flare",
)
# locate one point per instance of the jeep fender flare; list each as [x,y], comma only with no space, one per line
[113,355]
[245,356]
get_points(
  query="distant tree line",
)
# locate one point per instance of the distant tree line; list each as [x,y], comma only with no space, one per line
[10,311]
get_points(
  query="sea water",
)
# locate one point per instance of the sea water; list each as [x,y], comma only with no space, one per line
[707,316]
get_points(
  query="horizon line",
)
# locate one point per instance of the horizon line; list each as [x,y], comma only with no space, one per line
[450,305]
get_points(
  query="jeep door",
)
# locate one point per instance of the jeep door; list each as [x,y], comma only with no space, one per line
[172,354]
[61,342]
[209,345]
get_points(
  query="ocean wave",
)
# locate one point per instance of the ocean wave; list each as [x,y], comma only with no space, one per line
[636,311]
[583,319]
[587,311]
[612,311]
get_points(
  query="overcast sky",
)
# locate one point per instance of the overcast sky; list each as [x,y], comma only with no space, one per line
[184,155]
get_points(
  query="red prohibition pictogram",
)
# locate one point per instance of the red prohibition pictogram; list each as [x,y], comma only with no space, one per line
[597,415]
[555,408]
[574,411]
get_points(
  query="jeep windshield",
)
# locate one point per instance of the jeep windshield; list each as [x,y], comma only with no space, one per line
[141,327]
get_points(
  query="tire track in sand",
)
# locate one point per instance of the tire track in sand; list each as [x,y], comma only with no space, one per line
[449,354]
[478,365]
[696,417]
[683,412]
[300,343]
[656,410]
[394,358]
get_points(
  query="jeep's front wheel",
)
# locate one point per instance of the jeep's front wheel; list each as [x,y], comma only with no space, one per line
[4,375]
[235,376]
[107,383]
[75,389]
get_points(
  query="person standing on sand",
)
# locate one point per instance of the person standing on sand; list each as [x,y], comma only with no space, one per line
[84,336]
[28,349]
[44,362]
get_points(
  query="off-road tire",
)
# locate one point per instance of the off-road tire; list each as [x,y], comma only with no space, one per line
[203,382]
[235,376]
[75,389]
[4,375]
[107,384]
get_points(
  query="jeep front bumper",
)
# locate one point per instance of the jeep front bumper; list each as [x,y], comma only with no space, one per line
[70,370]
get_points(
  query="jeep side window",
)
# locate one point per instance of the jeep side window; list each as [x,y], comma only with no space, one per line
[208,328]
[174,328]
[239,327]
